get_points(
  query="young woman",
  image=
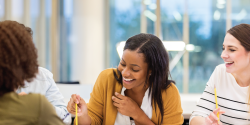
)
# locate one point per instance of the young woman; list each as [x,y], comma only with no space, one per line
[137,92]
[18,62]
[231,81]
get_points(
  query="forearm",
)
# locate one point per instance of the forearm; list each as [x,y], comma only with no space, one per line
[142,119]
[83,120]
[197,120]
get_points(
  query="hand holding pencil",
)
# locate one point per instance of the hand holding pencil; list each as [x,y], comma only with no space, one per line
[214,117]
[78,107]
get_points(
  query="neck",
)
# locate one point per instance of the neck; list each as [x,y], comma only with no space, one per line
[138,90]
[242,78]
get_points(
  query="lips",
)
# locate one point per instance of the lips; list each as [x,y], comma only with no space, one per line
[128,81]
[228,64]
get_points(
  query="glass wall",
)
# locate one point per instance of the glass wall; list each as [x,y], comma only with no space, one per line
[2,8]
[124,23]
[207,28]
[240,12]
[172,30]
[65,20]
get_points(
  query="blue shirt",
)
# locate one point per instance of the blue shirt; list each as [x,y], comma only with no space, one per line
[45,85]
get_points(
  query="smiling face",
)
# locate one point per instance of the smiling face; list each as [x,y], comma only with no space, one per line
[235,56]
[133,69]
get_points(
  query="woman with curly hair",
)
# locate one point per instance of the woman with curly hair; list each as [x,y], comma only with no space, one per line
[18,62]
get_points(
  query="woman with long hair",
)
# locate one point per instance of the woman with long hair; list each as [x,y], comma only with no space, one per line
[137,92]
[231,81]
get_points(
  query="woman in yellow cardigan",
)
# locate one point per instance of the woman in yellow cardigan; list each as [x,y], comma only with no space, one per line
[137,92]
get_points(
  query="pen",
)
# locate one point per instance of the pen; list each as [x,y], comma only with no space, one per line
[216,103]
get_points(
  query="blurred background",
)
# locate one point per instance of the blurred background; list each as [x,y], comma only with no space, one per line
[77,39]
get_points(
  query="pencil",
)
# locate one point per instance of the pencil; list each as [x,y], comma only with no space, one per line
[76,116]
[216,103]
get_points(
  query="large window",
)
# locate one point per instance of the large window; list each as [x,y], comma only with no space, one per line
[1,9]
[240,12]
[124,23]
[206,31]
[66,14]
[207,27]
[172,30]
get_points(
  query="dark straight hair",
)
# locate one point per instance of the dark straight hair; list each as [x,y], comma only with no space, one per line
[157,59]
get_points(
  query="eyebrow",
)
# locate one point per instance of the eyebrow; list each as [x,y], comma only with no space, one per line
[131,64]
[231,46]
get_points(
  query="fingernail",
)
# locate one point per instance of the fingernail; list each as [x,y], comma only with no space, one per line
[116,93]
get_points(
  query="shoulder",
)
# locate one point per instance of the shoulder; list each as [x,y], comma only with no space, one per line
[108,72]
[219,72]
[220,68]
[172,90]
[44,74]
[171,94]
[107,75]
[106,78]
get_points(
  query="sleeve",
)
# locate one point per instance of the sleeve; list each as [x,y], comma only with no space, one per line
[172,107]
[206,103]
[96,102]
[56,98]
[48,115]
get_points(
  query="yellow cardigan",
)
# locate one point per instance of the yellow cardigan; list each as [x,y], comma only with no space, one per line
[102,111]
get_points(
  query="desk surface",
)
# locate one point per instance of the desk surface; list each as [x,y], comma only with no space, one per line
[188,101]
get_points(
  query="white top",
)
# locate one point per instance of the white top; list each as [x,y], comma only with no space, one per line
[230,96]
[145,106]
[45,85]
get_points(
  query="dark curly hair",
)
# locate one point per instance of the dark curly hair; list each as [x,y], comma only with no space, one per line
[18,56]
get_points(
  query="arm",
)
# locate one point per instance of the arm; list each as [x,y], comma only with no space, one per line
[142,119]
[55,97]
[82,111]
[210,120]
[91,113]
[205,112]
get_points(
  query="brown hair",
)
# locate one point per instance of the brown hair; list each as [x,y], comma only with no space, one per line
[242,33]
[18,56]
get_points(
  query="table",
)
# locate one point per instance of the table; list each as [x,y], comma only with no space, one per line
[188,101]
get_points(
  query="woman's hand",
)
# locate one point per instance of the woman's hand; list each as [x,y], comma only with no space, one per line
[212,118]
[125,105]
[22,93]
[81,105]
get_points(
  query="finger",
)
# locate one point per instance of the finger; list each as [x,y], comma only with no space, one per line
[216,110]
[118,95]
[213,117]
[116,104]
[207,119]
[117,100]
[74,98]
[221,112]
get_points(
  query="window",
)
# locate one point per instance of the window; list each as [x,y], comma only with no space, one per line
[124,23]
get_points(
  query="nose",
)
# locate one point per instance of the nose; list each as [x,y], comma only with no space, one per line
[125,72]
[224,54]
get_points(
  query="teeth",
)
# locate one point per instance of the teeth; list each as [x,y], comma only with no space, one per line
[228,62]
[127,79]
